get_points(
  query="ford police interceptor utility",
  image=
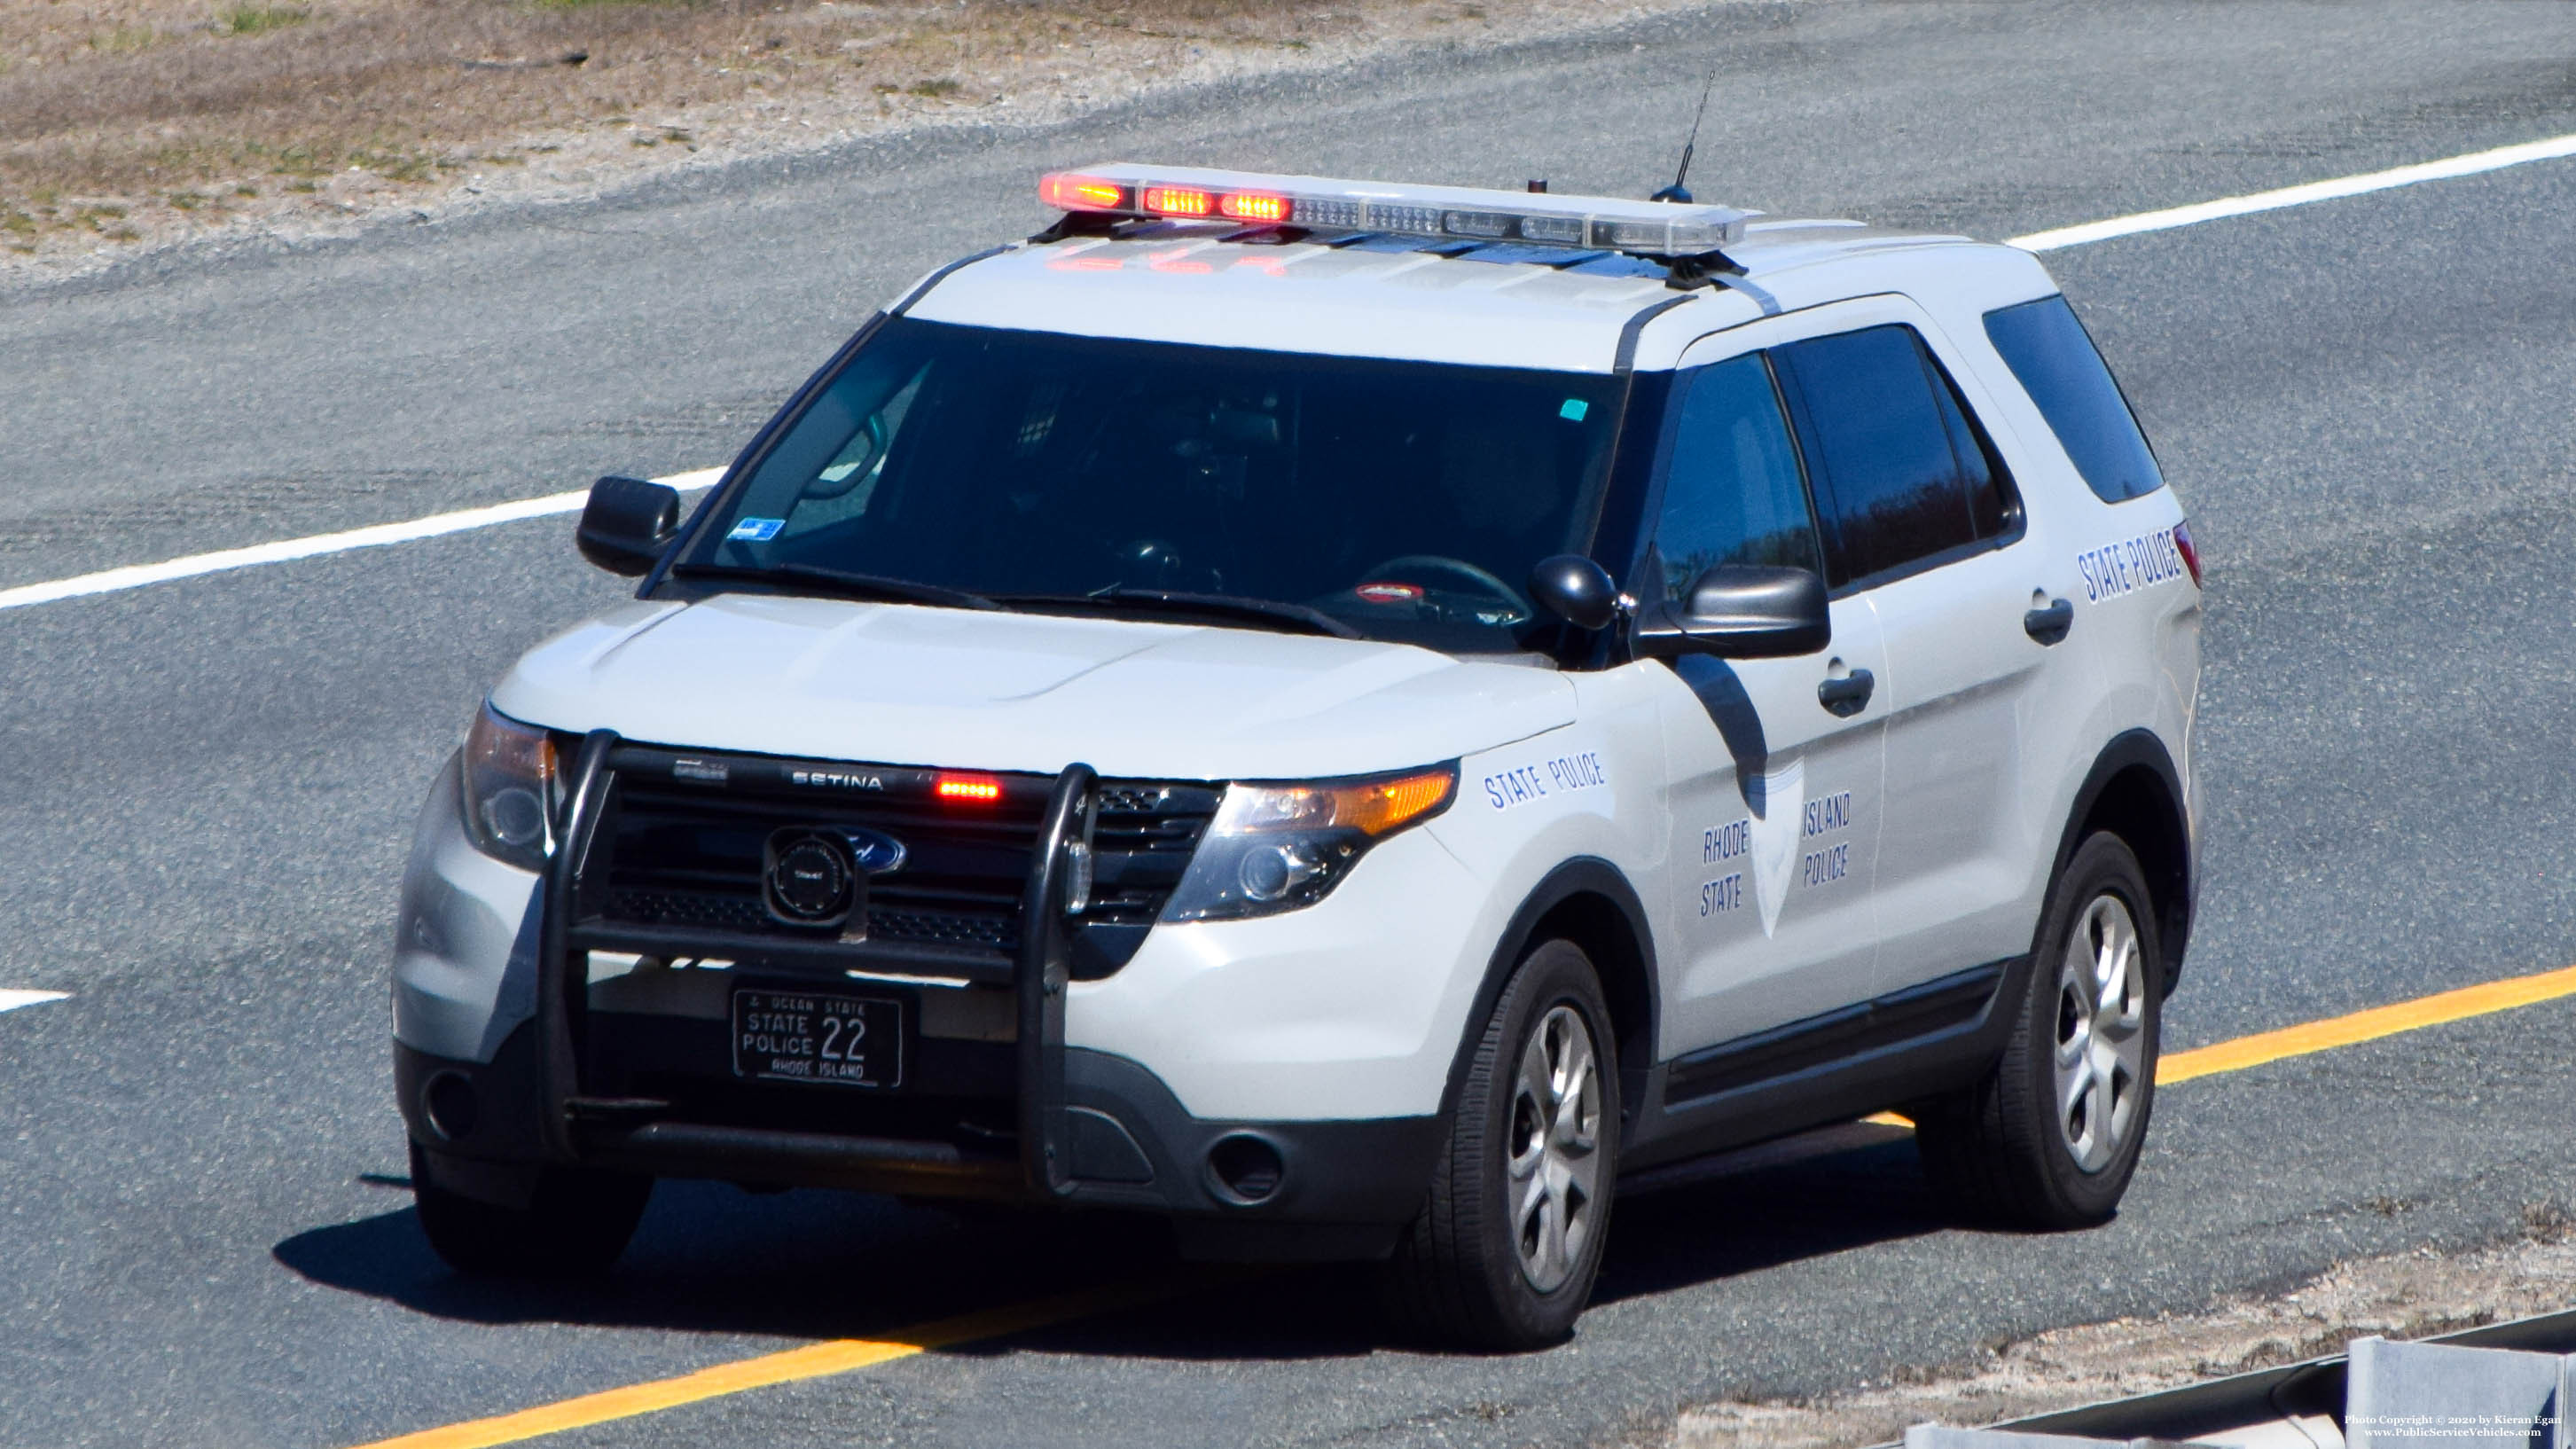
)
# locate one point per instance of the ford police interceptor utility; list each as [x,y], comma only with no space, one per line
[1349,716]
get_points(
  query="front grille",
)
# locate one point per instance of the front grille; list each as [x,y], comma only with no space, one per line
[686,908]
[681,843]
[1142,837]
[992,932]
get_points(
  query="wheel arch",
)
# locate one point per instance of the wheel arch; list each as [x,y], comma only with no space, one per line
[2135,792]
[1588,901]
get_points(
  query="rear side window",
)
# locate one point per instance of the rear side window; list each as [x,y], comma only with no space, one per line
[2048,350]
[1732,492]
[1902,474]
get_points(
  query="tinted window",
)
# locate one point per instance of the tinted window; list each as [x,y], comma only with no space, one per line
[1407,499]
[2059,367]
[1989,502]
[1732,493]
[1901,474]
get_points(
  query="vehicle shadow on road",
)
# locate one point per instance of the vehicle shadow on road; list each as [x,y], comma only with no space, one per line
[1709,1220]
[1721,1217]
[713,1259]
[1842,1189]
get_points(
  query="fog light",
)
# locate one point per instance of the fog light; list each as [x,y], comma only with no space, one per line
[448,1102]
[1245,1169]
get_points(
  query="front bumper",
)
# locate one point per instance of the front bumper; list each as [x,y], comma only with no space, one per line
[1016,1115]
[1342,1188]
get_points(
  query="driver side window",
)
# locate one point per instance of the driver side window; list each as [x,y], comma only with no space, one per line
[1733,492]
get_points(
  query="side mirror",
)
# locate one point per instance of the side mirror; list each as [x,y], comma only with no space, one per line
[1742,611]
[1575,589]
[627,524]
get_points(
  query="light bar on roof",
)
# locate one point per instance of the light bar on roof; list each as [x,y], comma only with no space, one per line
[1601,223]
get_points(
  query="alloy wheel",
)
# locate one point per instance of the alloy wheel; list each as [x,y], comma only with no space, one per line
[2101,1034]
[1554,1158]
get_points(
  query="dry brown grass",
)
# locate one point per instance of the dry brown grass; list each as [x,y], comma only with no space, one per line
[128,120]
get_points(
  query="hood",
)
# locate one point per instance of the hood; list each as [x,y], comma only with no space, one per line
[900,684]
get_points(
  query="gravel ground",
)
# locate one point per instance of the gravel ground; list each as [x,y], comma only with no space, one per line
[128,126]
[2406,1295]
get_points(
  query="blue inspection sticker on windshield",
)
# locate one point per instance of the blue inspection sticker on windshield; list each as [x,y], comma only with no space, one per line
[1574,410]
[755,530]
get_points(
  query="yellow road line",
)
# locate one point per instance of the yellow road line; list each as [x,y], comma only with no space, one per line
[810,1362]
[843,1355]
[2361,1026]
[2340,1031]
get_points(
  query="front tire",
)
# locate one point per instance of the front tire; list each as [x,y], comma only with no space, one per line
[2050,1137]
[1509,1240]
[575,1225]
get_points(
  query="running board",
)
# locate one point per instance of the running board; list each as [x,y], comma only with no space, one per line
[1948,1003]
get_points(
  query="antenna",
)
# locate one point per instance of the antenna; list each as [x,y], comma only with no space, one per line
[1678,191]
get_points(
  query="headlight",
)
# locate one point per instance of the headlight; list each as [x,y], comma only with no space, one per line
[1277,847]
[506,787]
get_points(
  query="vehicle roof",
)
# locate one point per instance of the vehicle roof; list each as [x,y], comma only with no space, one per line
[1487,304]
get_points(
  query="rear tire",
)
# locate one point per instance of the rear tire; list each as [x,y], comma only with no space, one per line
[1509,1240]
[576,1223]
[2049,1138]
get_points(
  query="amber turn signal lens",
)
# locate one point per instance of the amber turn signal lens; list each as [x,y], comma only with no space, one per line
[1382,805]
[1373,807]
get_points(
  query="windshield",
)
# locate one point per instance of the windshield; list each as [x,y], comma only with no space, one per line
[1398,500]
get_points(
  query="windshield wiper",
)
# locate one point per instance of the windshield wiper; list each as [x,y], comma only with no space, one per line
[841,582]
[1223,606]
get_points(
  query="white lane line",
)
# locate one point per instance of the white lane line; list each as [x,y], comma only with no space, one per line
[2314,191]
[136,576]
[12,1000]
[139,575]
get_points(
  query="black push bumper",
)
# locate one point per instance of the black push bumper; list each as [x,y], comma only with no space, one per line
[1060,1125]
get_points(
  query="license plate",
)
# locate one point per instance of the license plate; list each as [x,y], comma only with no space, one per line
[804,1036]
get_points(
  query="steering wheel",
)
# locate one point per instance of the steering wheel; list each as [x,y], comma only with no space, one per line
[1156,563]
[1458,568]
[824,489]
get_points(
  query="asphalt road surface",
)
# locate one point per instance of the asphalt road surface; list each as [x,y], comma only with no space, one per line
[206,786]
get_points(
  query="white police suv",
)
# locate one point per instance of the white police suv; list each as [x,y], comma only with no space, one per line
[1349,716]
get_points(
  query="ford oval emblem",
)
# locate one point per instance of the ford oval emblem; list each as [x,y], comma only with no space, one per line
[874,851]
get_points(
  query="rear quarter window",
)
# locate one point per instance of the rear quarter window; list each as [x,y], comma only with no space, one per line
[1902,476]
[2055,360]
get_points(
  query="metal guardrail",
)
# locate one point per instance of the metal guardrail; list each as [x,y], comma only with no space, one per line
[2503,1384]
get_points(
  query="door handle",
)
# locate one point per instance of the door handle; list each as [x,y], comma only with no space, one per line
[2049,623]
[1848,695]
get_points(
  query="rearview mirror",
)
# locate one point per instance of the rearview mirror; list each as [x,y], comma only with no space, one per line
[627,524]
[1741,611]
